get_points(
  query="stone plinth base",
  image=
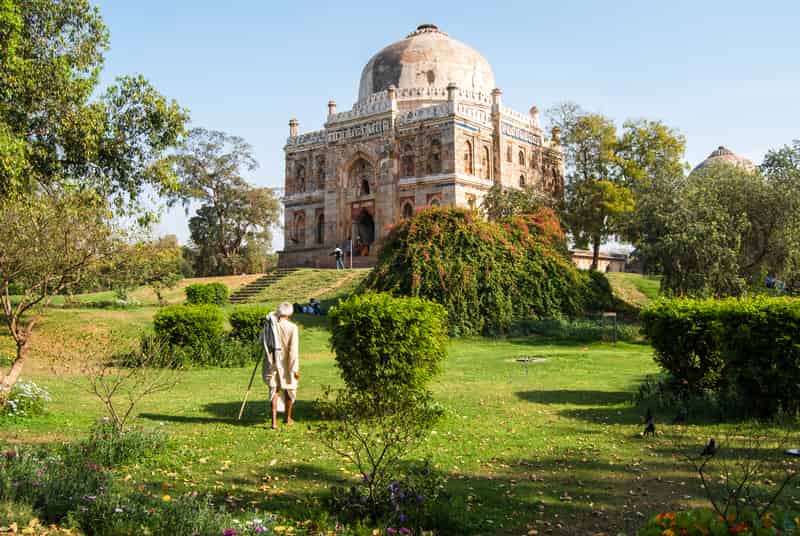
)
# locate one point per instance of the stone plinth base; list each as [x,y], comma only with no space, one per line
[319,258]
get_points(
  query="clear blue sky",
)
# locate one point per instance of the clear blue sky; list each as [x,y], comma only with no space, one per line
[721,72]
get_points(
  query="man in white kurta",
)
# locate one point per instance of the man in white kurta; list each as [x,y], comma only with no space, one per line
[284,366]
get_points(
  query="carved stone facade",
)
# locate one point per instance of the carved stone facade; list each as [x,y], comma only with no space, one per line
[409,143]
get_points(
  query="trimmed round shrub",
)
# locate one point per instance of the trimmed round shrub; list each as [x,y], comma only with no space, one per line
[207,293]
[488,275]
[687,336]
[383,343]
[248,321]
[189,325]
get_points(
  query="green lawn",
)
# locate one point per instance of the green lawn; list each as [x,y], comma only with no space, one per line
[552,447]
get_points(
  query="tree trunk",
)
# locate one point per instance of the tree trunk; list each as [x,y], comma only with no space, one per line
[8,381]
[595,252]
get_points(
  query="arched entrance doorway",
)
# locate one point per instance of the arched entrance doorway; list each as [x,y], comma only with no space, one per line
[365,227]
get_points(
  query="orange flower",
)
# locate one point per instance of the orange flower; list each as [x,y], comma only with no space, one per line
[736,529]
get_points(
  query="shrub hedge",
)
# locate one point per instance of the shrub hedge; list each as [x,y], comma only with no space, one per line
[207,293]
[189,325]
[747,347]
[488,275]
[248,321]
[383,343]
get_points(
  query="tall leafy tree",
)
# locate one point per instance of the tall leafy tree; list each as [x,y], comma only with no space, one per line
[730,228]
[596,198]
[69,161]
[231,212]
[49,242]
[650,155]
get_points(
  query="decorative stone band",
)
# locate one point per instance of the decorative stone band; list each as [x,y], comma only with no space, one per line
[308,138]
[426,112]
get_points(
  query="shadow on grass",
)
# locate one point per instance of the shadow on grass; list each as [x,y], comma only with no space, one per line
[226,413]
[582,398]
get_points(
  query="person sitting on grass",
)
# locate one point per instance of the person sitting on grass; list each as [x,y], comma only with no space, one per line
[281,367]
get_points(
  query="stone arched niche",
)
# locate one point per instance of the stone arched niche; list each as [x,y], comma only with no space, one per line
[361,178]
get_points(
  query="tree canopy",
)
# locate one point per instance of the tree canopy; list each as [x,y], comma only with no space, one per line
[232,214]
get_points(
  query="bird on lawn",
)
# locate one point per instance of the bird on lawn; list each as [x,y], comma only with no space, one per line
[710,449]
[650,429]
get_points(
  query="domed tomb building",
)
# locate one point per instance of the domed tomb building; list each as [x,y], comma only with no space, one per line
[429,129]
[723,155]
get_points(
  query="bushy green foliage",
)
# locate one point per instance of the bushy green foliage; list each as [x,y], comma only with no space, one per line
[487,275]
[109,446]
[749,348]
[221,351]
[382,342]
[189,325]
[207,293]
[64,487]
[686,336]
[706,522]
[582,330]
[248,321]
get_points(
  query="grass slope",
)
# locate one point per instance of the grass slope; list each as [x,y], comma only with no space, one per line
[635,290]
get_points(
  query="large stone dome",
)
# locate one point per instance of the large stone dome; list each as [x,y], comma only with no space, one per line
[725,156]
[426,58]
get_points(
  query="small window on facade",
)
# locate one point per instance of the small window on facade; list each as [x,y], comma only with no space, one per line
[408,210]
[364,187]
[521,158]
[485,163]
[299,228]
[522,181]
[468,167]
[508,153]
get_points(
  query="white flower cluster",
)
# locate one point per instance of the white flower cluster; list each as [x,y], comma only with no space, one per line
[26,398]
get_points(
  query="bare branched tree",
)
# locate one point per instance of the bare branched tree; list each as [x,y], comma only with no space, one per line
[744,469]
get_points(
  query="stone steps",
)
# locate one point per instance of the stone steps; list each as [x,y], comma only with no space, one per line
[248,292]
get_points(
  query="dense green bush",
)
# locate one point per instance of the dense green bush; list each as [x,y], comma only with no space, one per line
[686,335]
[747,349]
[488,275]
[762,353]
[221,351]
[207,293]
[189,325]
[248,321]
[382,342]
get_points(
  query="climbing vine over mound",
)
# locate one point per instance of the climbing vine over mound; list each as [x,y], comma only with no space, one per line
[488,275]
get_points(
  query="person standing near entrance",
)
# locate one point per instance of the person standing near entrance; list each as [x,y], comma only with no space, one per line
[281,369]
[337,253]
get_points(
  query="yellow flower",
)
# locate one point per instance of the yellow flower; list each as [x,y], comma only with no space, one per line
[166,498]
[668,532]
